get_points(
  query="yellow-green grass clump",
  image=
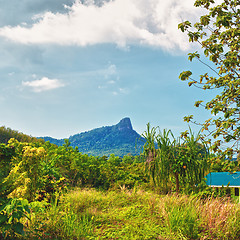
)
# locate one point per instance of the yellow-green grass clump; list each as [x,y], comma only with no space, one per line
[134,214]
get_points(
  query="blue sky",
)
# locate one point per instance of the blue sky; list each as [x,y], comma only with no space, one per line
[71,66]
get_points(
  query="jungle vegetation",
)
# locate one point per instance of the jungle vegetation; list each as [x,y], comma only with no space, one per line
[57,192]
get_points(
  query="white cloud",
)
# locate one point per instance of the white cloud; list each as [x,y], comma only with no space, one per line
[111,76]
[111,82]
[123,22]
[123,90]
[102,87]
[115,93]
[43,84]
[110,71]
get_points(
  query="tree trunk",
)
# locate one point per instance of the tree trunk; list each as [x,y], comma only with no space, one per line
[177,182]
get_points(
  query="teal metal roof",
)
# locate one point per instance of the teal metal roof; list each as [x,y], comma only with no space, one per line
[219,179]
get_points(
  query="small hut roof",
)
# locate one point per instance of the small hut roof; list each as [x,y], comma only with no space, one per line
[219,179]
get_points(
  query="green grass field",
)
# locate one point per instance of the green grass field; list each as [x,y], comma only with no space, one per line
[133,214]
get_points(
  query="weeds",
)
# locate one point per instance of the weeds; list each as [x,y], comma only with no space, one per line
[136,214]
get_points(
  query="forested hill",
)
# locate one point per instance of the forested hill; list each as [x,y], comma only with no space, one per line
[119,139]
[7,133]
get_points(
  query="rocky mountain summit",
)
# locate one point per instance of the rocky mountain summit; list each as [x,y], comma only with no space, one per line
[119,139]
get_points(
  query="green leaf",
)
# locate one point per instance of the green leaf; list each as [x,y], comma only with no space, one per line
[188,118]
[18,228]
[205,20]
[185,75]
[184,26]
[197,103]
[3,218]
[193,55]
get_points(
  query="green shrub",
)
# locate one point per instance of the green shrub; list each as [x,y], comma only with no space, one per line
[11,213]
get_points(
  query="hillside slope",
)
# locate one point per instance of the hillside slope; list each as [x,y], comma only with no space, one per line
[8,133]
[119,139]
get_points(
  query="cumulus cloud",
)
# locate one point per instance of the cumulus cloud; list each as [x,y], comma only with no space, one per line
[122,22]
[43,84]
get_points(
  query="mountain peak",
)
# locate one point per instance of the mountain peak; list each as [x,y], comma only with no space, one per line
[119,139]
[125,123]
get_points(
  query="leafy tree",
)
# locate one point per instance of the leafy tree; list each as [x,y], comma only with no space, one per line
[26,174]
[218,33]
[6,153]
[220,164]
[11,210]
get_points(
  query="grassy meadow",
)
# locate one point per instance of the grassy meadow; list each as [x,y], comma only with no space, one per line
[133,214]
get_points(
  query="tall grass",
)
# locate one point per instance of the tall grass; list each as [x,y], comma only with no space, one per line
[135,214]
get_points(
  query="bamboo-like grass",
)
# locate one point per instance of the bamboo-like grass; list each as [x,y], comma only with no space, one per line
[183,161]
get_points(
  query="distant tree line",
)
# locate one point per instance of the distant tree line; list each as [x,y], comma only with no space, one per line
[7,133]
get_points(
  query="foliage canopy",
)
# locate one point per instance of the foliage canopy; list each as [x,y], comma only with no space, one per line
[218,33]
